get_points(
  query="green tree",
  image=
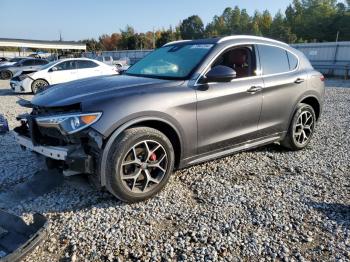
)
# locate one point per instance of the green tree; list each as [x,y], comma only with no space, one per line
[280,30]
[92,45]
[244,22]
[265,23]
[192,28]
[128,38]
[165,37]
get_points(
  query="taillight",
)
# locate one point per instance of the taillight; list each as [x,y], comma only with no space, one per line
[322,78]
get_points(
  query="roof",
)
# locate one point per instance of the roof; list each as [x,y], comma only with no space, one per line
[226,38]
[10,42]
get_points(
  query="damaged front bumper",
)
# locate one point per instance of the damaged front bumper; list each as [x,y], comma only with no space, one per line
[17,239]
[72,158]
[54,152]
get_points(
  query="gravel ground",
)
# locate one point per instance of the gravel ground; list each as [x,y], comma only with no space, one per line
[261,205]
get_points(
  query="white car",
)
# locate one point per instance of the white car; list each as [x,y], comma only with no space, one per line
[60,71]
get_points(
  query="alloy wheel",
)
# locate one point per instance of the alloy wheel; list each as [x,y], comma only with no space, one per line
[39,86]
[144,166]
[304,128]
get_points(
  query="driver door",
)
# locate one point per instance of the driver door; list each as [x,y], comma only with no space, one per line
[228,112]
[63,72]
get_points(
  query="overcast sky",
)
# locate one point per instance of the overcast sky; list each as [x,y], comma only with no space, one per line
[80,19]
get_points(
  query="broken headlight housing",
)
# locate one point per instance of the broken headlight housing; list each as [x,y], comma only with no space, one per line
[70,123]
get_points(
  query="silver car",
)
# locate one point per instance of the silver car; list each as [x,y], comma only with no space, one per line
[25,64]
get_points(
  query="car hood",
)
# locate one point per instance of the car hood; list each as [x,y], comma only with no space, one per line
[97,88]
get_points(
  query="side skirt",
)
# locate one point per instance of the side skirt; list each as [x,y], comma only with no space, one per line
[238,148]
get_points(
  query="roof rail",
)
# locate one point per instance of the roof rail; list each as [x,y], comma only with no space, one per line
[176,42]
[233,37]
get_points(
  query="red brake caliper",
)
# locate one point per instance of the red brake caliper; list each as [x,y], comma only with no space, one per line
[153,157]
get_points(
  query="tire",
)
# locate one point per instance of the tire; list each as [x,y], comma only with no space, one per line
[39,85]
[139,164]
[301,128]
[6,74]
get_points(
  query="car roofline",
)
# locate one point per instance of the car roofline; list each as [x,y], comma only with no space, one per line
[177,42]
[238,37]
[229,38]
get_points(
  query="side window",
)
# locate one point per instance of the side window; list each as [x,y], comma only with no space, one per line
[242,59]
[273,60]
[293,61]
[29,62]
[41,62]
[86,64]
[67,65]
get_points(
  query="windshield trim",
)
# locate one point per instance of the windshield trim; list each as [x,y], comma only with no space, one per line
[187,77]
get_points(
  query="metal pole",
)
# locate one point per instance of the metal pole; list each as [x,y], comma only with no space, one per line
[336,39]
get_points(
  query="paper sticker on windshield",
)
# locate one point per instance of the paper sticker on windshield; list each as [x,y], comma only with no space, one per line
[202,46]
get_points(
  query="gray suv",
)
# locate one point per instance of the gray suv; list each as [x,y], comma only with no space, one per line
[185,103]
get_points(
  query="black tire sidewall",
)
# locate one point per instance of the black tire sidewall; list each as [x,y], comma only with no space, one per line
[118,151]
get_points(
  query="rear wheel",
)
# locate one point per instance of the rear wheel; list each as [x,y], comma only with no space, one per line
[140,163]
[301,128]
[6,74]
[39,85]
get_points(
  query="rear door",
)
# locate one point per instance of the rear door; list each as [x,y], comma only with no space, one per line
[283,84]
[39,63]
[87,68]
[28,64]
[63,72]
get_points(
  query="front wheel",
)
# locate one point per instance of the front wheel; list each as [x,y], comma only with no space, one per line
[39,85]
[301,128]
[140,163]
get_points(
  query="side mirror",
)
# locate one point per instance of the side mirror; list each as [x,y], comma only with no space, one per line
[53,69]
[220,73]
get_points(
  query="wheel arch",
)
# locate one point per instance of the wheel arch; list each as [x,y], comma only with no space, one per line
[314,103]
[160,124]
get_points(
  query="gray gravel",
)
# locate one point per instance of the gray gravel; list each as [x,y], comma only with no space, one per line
[265,204]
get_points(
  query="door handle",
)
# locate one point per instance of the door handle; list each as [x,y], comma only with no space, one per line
[254,89]
[299,81]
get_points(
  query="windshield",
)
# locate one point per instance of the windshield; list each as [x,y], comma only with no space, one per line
[175,61]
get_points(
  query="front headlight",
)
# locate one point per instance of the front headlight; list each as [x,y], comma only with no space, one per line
[70,123]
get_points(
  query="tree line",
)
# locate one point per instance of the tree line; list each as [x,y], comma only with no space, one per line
[302,21]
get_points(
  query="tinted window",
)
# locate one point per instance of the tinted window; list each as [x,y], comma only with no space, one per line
[41,62]
[241,59]
[293,61]
[67,65]
[273,60]
[29,62]
[86,64]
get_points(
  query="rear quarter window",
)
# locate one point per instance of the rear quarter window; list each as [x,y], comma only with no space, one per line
[274,60]
[293,61]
